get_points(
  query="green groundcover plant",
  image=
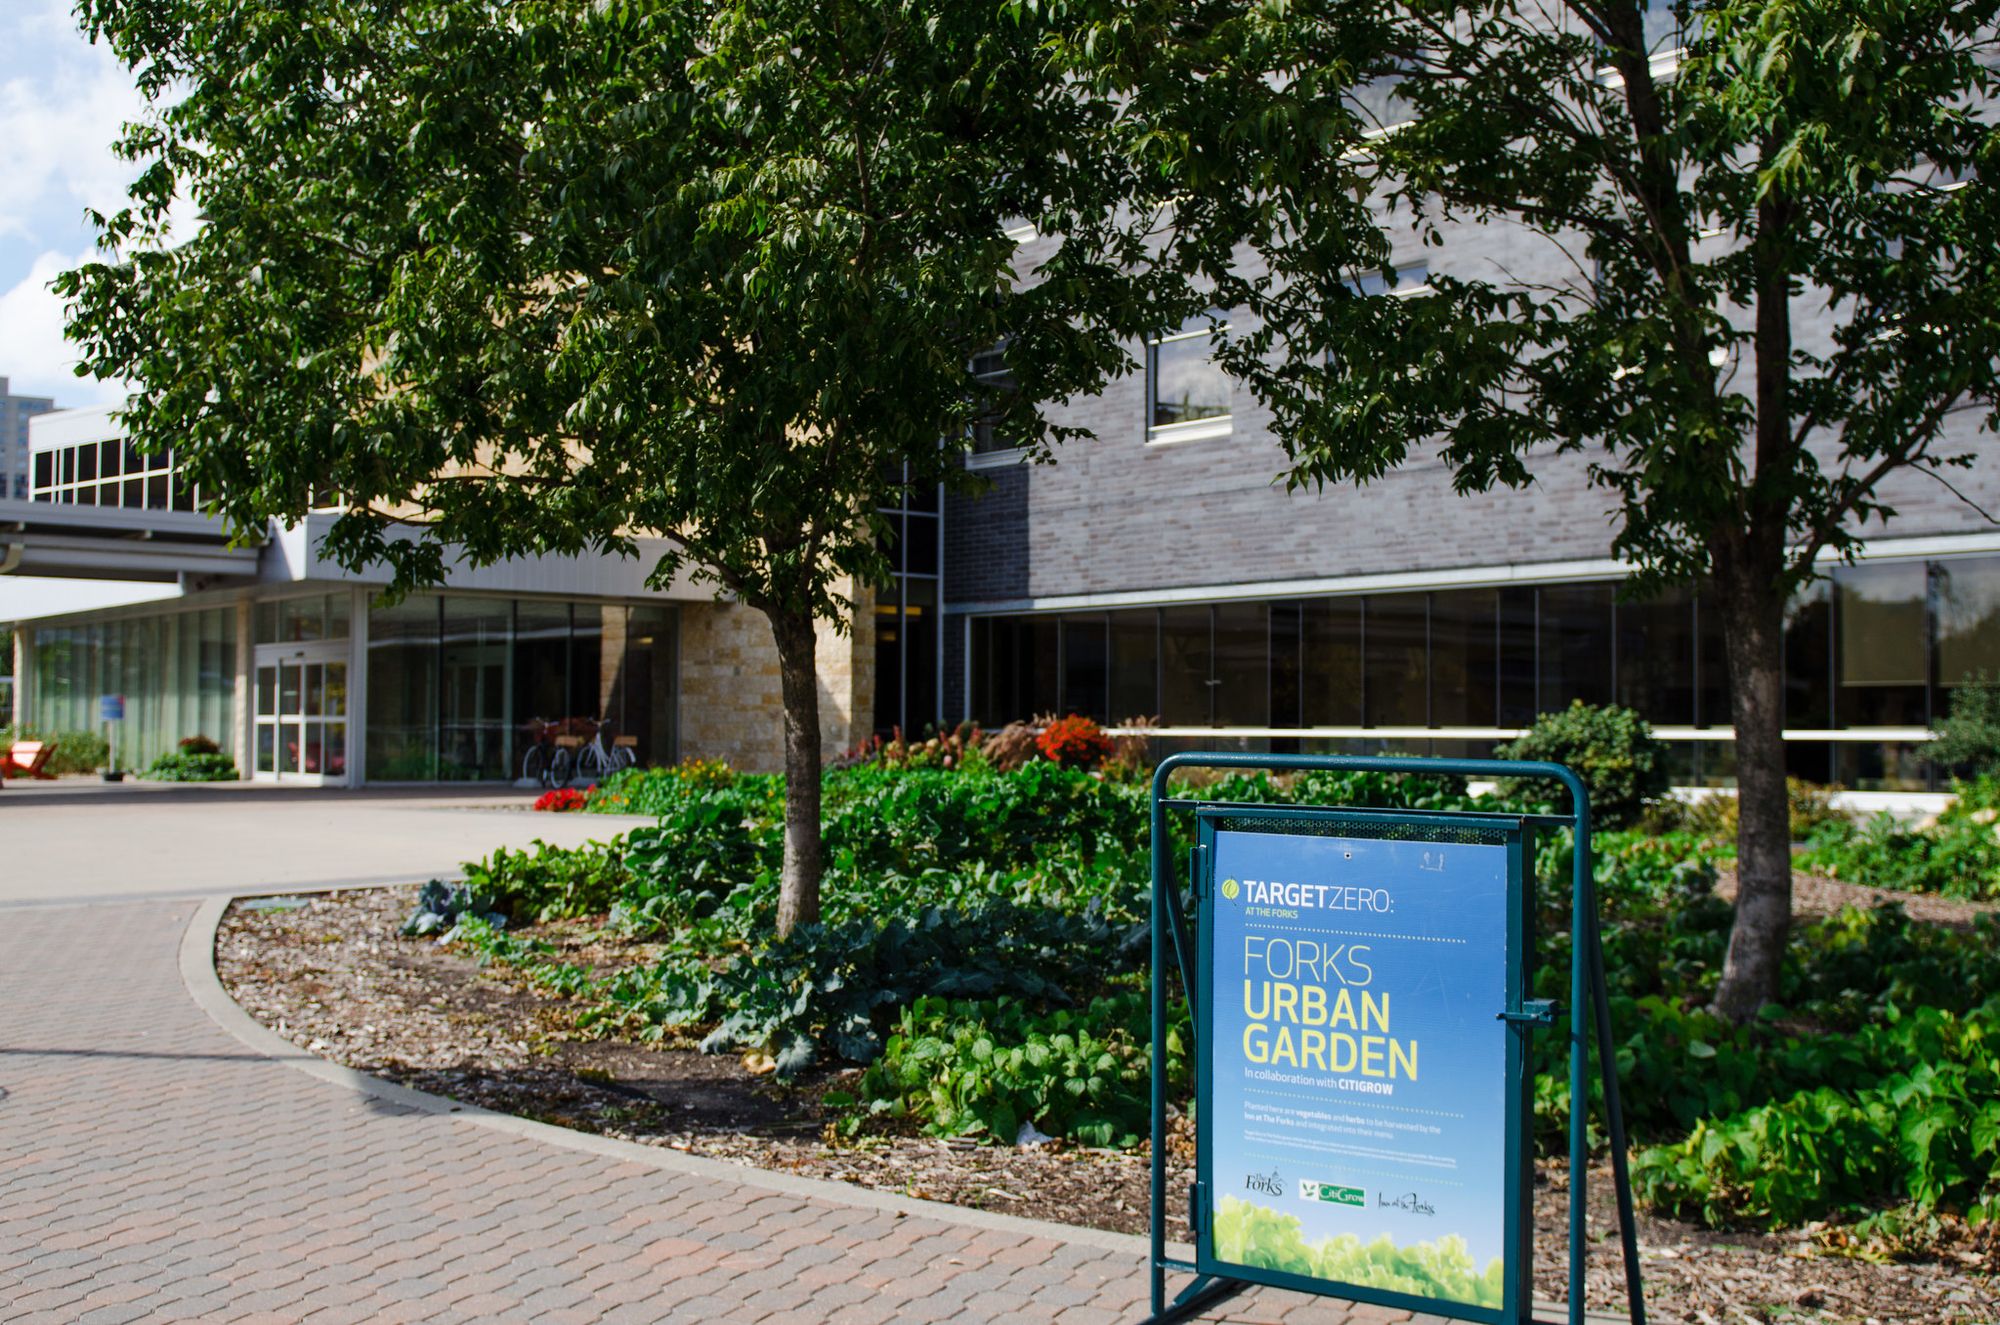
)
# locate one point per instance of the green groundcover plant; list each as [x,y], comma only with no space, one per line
[1957,854]
[982,958]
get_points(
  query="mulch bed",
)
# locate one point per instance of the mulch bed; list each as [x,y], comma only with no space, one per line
[1815,896]
[332,975]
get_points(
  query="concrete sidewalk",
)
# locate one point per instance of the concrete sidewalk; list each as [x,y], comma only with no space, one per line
[85,841]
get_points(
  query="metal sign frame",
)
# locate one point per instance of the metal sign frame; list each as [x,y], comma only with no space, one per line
[1176,955]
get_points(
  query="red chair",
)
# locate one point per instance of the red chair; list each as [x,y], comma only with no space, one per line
[28,759]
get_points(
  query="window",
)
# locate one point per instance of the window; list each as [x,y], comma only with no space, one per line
[1660,27]
[1189,391]
[1242,665]
[1186,637]
[1396,682]
[1656,657]
[108,473]
[1135,664]
[1330,662]
[1576,645]
[996,385]
[1968,620]
[1464,663]
[1378,104]
[907,652]
[1808,661]
[1086,666]
[1879,655]
[1402,281]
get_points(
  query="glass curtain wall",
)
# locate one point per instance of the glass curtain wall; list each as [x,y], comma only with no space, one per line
[907,641]
[176,670]
[458,686]
[1876,647]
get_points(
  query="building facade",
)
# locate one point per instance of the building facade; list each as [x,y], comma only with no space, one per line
[1163,571]
[15,411]
[1160,572]
[308,675]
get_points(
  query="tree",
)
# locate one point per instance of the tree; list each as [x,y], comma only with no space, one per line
[1776,262]
[514,278]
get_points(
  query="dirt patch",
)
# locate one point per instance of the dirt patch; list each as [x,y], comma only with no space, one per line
[1815,896]
[331,975]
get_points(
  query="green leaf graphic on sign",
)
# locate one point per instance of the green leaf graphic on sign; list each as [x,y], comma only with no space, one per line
[1229,889]
[1250,1234]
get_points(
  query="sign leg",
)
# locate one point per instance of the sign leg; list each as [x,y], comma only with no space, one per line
[1199,1297]
[1628,1228]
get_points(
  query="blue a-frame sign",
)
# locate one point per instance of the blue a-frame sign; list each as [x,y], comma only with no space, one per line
[1359,981]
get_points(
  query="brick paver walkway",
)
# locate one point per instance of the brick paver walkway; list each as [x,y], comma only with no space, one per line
[155,1167]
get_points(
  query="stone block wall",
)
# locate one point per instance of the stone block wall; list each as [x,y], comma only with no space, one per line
[731,706]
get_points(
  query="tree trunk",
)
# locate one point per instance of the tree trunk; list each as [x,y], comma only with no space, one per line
[798,889]
[1753,612]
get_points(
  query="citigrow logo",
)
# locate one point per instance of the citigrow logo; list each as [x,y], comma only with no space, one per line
[1229,889]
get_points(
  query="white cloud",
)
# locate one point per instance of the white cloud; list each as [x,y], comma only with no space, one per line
[33,352]
[63,103]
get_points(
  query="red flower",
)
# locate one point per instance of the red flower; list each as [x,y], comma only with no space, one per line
[562,798]
[1074,742]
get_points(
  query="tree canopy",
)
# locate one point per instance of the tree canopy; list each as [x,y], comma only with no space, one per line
[1741,258]
[507,278]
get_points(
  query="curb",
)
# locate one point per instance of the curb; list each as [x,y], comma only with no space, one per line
[204,986]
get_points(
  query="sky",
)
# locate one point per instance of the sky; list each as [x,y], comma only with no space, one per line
[62,102]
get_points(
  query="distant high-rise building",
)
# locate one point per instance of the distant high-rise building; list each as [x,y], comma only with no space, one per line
[15,411]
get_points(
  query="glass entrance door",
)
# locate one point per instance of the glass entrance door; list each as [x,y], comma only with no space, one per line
[302,713]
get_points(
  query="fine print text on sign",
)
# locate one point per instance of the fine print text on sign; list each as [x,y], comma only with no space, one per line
[1358,1131]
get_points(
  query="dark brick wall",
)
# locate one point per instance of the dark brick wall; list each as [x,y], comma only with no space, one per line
[1115,514]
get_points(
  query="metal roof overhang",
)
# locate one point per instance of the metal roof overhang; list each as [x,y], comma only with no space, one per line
[112,543]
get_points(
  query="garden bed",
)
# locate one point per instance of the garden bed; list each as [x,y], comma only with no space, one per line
[331,976]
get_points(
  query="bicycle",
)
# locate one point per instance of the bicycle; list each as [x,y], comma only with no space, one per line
[551,760]
[597,761]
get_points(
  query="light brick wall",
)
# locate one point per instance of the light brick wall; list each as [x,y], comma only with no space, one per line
[731,705]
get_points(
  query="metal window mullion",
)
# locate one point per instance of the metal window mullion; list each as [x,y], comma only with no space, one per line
[1614,646]
[1214,681]
[1430,667]
[1361,653]
[1695,707]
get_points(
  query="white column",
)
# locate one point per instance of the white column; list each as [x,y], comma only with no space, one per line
[24,674]
[243,743]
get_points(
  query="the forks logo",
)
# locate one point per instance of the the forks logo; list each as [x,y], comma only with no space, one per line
[1230,889]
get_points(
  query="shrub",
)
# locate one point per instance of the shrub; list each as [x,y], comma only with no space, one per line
[560,800]
[1074,742]
[1011,747]
[199,745]
[1612,749]
[1715,815]
[184,765]
[1969,735]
